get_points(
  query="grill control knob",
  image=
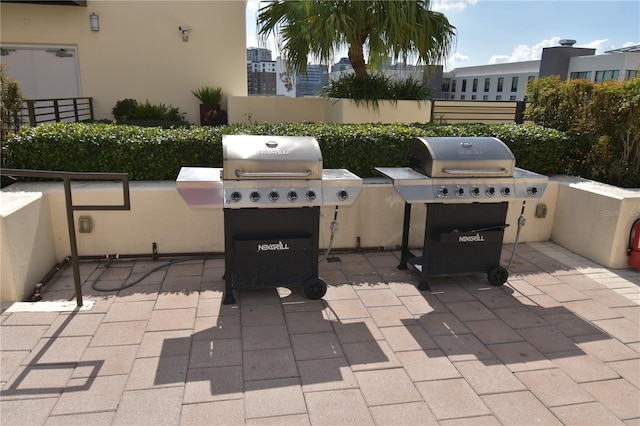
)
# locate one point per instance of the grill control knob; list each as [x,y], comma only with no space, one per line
[532,191]
[236,196]
[443,192]
[343,195]
[506,191]
[254,196]
[491,191]
[292,195]
[475,191]
[460,192]
[311,195]
[273,196]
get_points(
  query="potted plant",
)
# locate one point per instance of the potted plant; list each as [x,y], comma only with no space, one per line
[210,98]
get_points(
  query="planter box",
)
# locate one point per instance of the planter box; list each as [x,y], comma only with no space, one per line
[280,109]
[210,115]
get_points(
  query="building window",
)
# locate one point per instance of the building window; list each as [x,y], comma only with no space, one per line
[453,86]
[473,97]
[514,84]
[445,84]
[629,74]
[453,96]
[464,85]
[498,97]
[531,78]
[607,75]
[500,83]
[585,75]
[485,97]
[487,84]
[475,85]
[512,97]
[463,97]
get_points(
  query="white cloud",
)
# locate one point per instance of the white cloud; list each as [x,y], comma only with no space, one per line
[523,52]
[601,46]
[443,5]
[455,61]
[458,57]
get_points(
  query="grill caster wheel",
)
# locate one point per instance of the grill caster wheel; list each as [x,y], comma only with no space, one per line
[315,288]
[497,275]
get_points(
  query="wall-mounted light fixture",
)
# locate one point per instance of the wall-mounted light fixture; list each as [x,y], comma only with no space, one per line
[95,22]
[184,29]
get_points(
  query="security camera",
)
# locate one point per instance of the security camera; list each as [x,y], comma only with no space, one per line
[184,28]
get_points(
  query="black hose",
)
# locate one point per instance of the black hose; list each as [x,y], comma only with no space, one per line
[110,257]
[94,284]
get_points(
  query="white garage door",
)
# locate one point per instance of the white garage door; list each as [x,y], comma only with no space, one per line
[43,72]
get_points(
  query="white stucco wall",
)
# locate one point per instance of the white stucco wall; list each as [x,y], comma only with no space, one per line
[138,52]
[35,235]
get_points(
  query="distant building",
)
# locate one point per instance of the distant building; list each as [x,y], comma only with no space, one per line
[310,83]
[257,54]
[342,65]
[498,82]
[261,72]
[503,82]
[509,81]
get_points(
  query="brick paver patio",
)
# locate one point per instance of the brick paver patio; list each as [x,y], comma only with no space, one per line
[558,344]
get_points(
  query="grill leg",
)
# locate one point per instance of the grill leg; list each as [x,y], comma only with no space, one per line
[228,298]
[404,254]
[228,290]
[424,286]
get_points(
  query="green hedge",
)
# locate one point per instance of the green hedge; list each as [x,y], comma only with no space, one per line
[158,154]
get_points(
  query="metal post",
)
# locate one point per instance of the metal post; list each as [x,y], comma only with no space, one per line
[75,109]
[404,253]
[72,240]
[32,113]
[67,177]
[56,110]
[91,107]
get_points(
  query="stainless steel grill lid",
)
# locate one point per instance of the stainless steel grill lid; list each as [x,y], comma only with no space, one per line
[461,157]
[256,157]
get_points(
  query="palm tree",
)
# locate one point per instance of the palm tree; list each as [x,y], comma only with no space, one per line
[396,28]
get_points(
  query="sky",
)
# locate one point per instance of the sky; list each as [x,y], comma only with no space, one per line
[501,31]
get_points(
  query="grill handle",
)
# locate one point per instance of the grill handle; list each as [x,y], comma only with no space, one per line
[240,173]
[475,172]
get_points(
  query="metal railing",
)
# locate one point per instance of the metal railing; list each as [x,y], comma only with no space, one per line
[69,110]
[67,177]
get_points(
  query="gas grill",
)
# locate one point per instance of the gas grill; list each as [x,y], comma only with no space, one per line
[271,189]
[467,184]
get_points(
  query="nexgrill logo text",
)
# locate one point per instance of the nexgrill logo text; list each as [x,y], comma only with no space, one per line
[271,247]
[471,238]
